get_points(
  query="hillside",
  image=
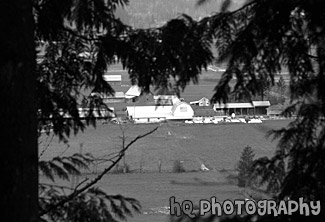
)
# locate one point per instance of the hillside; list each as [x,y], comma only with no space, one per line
[152,13]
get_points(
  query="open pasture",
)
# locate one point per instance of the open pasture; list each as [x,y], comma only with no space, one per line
[217,146]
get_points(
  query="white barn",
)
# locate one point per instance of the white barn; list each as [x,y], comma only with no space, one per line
[182,110]
[150,114]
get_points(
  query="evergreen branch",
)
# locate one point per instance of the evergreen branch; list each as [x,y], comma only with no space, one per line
[82,182]
[98,178]
[55,185]
[46,147]
[75,34]
[243,7]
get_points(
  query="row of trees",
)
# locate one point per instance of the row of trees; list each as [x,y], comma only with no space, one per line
[81,38]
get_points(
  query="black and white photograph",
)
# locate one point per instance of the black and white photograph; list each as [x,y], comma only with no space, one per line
[162,110]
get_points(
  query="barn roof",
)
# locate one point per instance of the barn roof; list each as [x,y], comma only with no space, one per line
[178,103]
[241,105]
[197,101]
[261,103]
[133,92]
[232,105]
[112,78]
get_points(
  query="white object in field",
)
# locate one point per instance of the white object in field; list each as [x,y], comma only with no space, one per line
[255,121]
[235,121]
[228,120]
[207,120]
[188,121]
[204,168]
[242,120]
[215,121]
[197,120]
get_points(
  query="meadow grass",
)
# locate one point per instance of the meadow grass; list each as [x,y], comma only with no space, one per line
[217,146]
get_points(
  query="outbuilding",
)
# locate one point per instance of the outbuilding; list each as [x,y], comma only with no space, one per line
[252,108]
[202,102]
[159,113]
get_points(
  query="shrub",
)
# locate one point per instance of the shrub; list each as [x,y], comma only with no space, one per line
[245,167]
[178,167]
[125,168]
[159,164]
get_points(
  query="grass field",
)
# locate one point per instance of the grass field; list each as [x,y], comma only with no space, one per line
[217,146]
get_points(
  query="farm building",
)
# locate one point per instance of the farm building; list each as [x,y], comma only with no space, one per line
[118,97]
[202,102]
[204,111]
[181,110]
[253,108]
[113,79]
[275,110]
[260,107]
[147,114]
[134,91]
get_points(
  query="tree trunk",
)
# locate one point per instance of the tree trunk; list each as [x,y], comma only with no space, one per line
[18,137]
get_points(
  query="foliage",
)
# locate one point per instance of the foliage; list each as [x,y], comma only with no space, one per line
[245,167]
[178,167]
[69,59]
[92,205]
[65,166]
[171,56]
[281,86]
[125,168]
[262,37]
[83,202]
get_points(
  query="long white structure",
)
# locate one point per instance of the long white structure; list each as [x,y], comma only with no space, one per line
[148,114]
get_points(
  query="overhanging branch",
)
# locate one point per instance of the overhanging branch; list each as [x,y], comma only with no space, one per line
[98,178]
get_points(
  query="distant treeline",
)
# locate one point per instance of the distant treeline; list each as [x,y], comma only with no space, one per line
[152,13]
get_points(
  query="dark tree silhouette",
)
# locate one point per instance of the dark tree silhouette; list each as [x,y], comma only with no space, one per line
[18,137]
[245,167]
